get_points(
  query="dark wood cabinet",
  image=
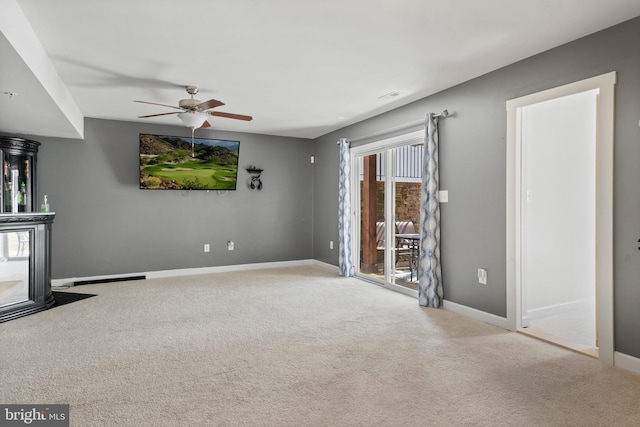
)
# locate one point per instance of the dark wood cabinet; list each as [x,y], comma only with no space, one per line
[25,233]
[25,264]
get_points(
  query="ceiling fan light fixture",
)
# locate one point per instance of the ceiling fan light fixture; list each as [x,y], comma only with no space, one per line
[193,119]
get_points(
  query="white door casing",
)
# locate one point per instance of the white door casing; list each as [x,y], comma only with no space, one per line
[604,203]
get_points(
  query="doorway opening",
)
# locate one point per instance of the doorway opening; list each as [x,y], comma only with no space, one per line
[560,215]
[558,294]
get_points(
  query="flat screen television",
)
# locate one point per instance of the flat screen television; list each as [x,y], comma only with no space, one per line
[180,163]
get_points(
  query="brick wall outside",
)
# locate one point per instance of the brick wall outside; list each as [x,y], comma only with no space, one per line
[407,202]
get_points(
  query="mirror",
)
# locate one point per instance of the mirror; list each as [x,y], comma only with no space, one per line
[15,250]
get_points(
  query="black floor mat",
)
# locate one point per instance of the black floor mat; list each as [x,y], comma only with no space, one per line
[63,298]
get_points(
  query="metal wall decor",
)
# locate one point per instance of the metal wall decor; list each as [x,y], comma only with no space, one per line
[255,183]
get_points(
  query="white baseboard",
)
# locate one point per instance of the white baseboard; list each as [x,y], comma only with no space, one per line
[624,361]
[56,283]
[620,360]
[473,313]
[225,268]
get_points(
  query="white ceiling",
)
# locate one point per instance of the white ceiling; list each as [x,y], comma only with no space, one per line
[301,68]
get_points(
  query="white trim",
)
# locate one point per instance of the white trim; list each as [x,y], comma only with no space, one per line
[193,271]
[608,79]
[401,289]
[604,202]
[411,138]
[389,286]
[390,215]
[624,361]
[482,316]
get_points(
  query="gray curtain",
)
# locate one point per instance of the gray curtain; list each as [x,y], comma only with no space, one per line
[345,264]
[430,292]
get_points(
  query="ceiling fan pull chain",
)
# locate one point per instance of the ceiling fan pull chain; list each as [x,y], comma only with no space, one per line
[192,143]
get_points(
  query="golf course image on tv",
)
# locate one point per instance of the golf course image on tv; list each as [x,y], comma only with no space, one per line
[180,163]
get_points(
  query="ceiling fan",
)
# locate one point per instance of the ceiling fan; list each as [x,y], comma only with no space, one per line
[194,113]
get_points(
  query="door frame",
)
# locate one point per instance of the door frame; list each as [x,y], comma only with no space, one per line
[605,83]
[412,138]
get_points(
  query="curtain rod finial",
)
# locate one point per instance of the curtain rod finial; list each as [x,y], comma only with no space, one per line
[444,114]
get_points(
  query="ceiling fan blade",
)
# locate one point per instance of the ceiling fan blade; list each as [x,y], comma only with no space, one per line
[231,115]
[156,115]
[206,124]
[162,105]
[212,103]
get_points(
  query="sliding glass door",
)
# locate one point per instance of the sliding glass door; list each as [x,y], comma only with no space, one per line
[387,203]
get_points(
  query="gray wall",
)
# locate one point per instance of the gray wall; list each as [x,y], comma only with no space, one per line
[106,225]
[473,169]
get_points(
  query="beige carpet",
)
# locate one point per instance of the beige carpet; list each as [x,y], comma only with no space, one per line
[295,347]
[10,292]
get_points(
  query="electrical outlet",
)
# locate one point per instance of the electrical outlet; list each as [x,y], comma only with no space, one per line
[330,244]
[230,245]
[482,276]
[207,247]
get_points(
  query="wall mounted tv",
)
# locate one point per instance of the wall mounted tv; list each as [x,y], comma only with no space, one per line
[180,163]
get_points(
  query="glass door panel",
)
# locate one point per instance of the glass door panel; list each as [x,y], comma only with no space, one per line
[406,181]
[389,197]
[372,218]
[16,179]
[15,249]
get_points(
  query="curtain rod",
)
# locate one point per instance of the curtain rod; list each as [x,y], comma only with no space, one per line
[444,114]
